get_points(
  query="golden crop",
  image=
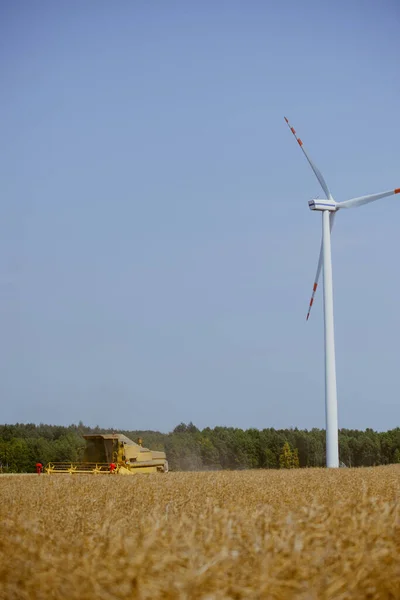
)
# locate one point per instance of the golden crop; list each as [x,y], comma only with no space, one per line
[305,534]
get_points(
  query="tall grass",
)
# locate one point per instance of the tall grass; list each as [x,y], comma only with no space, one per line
[304,534]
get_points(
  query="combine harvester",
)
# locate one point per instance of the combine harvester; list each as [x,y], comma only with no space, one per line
[113,454]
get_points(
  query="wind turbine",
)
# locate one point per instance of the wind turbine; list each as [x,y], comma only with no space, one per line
[329,208]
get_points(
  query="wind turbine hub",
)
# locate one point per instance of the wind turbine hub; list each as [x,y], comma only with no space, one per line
[318,204]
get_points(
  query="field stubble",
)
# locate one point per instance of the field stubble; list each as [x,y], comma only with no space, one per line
[306,534]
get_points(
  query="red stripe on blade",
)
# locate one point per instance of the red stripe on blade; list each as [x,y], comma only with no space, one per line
[315,287]
[300,142]
[397,191]
[286,120]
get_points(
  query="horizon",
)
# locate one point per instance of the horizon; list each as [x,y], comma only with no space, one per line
[190,423]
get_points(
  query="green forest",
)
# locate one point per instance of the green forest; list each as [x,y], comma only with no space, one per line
[189,448]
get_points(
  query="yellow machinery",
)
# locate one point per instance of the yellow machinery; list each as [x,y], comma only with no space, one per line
[111,454]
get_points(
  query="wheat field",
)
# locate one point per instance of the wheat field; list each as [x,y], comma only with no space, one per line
[307,534]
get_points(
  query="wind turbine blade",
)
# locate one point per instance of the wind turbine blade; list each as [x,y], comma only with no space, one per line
[366,199]
[319,267]
[317,172]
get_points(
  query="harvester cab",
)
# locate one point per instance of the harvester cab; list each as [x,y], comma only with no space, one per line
[113,453]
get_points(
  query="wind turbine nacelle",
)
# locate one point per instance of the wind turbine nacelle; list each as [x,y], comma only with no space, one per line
[318,204]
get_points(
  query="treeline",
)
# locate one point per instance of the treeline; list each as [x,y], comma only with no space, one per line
[188,448]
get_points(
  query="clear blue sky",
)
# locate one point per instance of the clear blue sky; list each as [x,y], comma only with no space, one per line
[156,249]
